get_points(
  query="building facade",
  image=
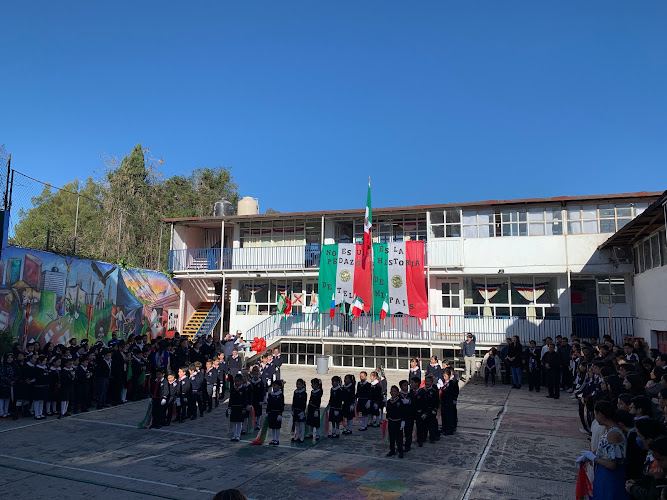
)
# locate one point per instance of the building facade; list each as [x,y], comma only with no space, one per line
[532,267]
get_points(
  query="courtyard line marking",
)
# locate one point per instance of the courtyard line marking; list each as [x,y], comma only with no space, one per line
[108,474]
[478,466]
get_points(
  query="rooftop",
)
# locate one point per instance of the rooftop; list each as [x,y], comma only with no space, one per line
[651,219]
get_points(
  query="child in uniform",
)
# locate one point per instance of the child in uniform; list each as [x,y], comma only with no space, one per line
[348,403]
[335,406]
[275,405]
[41,387]
[248,403]
[54,388]
[159,401]
[173,398]
[82,377]
[419,409]
[313,418]
[67,379]
[197,383]
[257,395]
[363,399]
[299,405]
[450,393]
[395,422]
[237,407]
[185,393]
[376,399]
[432,403]
[415,371]
[408,415]
[211,379]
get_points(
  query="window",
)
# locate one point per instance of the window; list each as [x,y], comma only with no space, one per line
[445,224]
[514,222]
[369,356]
[260,296]
[604,218]
[519,296]
[450,295]
[611,290]
[273,233]
[395,228]
[535,221]
[650,252]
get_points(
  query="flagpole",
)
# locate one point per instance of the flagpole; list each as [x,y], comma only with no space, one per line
[372,259]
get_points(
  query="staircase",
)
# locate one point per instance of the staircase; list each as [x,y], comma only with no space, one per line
[197,320]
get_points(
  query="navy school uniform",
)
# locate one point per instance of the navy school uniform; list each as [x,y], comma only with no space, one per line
[299,405]
[160,394]
[336,405]
[67,379]
[234,366]
[54,384]
[237,404]
[408,416]
[348,401]
[396,411]
[363,397]
[23,390]
[420,414]
[267,375]
[313,417]
[376,398]
[275,406]
[257,393]
[448,399]
[174,391]
[185,395]
[414,372]
[277,362]
[436,371]
[211,381]
[432,404]
[81,388]
[41,385]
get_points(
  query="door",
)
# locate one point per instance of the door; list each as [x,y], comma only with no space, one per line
[584,306]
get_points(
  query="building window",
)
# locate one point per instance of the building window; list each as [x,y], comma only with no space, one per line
[518,296]
[650,252]
[445,224]
[269,233]
[606,218]
[611,290]
[535,221]
[450,295]
[368,356]
[393,229]
[260,296]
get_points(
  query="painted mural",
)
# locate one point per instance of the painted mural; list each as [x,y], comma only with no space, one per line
[51,298]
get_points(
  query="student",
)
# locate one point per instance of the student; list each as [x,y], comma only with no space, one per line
[219,366]
[185,393]
[406,396]
[419,409]
[211,379]
[237,407]
[299,405]
[335,406]
[41,387]
[376,399]
[172,399]
[432,401]
[234,365]
[383,383]
[54,387]
[349,398]
[83,374]
[257,395]
[363,400]
[450,393]
[277,362]
[395,422]
[434,369]
[490,367]
[159,399]
[248,403]
[414,371]
[275,406]
[8,378]
[67,380]
[196,382]
[313,417]
[551,363]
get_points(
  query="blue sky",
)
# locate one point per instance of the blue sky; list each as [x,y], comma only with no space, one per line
[437,101]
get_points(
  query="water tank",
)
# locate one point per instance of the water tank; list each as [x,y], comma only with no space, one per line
[248,206]
[223,207]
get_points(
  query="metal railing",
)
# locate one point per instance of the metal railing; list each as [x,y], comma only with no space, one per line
[209,322]
[439,328]
[242,259]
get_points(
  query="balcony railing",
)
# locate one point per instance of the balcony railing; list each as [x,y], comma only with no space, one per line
[246,259]
[489,330]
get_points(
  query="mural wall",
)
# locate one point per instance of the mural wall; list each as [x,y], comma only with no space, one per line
[52,298]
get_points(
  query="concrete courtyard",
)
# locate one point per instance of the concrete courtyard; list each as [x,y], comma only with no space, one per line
[509,445]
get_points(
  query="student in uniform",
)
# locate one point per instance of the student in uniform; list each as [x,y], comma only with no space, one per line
[67,381]
[408,415]
[196,382]
[236,407]
[313,416]
[335,406]
[8,378]
[275,406]
[211,379]
[160,399]
[234,366]
[450,393]
[363,400]
[432,404]
[81,385]
[383,383]
[185,393]
[376,399]
[277,362]
[349,399]
[299,407]
[434,369]
[415,370]
[172,399]
[395,422]
[257,395]
[54,387]
[534,357]
[419,410]
[268,372]
[219,393]
[41,387]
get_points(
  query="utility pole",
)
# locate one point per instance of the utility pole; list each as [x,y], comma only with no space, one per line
[9,169]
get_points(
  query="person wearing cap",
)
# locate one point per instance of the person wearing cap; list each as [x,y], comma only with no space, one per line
[469,358]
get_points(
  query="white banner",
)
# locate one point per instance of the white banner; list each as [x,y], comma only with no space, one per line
[398,292]
[345,273]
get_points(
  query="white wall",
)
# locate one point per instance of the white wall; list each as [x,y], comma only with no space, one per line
[187,237]
[195,292]
[651,302]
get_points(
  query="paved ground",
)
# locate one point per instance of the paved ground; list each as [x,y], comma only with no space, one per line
[509,445]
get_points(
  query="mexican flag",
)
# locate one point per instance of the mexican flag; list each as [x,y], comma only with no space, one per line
[368,225]
[385,309]
[343,277]
[357,307]
[284,304]
[398,278]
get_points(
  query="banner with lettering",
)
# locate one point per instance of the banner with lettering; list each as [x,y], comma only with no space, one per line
[342,276]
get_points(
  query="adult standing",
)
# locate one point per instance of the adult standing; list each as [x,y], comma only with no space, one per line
[468,350]
[229,345]
[515,358]
[507,370]
[102,376]
[277,363]
[551,364]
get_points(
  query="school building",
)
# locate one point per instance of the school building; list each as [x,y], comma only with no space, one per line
[530,267]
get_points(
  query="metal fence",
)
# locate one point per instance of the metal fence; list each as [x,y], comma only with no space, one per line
[436,329]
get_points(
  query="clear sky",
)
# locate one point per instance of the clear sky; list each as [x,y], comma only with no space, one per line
[438,101]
